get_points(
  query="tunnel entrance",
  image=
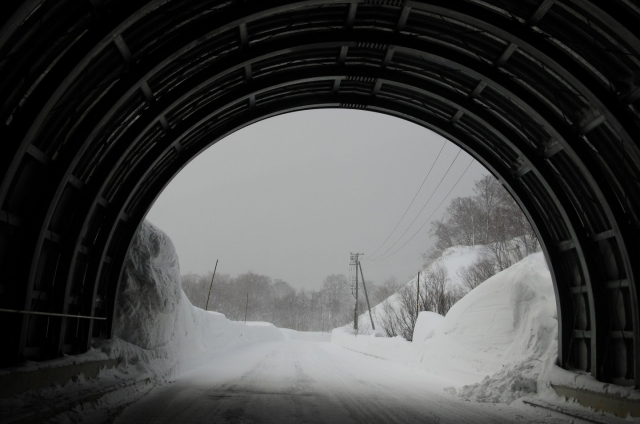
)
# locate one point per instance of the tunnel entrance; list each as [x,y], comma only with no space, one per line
[104,101]
[287,197]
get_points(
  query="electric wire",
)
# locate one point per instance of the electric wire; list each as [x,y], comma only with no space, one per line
[412,200]
[430,216]
[423,207]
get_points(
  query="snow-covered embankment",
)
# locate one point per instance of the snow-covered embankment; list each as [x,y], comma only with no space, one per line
[494,343]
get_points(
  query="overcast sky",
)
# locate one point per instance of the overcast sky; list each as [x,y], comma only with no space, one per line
[290,197]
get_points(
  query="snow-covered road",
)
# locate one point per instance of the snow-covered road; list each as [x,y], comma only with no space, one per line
[296,381]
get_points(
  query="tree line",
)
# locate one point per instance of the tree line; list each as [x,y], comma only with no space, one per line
[490,218]
[260,298]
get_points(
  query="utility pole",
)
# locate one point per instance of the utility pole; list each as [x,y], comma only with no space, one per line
[246,306]
[473,232]
[366,296]
[206,308]
[418,296]
[355,260]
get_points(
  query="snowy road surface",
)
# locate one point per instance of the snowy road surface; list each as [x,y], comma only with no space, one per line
[294,381]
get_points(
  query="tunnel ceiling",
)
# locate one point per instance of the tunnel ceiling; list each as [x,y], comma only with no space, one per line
[102,102]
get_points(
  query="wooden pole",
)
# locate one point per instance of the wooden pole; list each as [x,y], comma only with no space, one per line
[355,310]
[367,297]
[206,308]
[418,297]
[246,306]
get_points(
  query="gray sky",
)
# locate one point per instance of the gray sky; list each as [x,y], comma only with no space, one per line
[291,196]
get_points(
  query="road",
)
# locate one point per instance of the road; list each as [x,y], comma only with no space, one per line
[295,381]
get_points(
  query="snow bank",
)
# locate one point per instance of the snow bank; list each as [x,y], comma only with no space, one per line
[426,326]
[150,292]
[156,328]
[158,334]
[494,342]
[510,323]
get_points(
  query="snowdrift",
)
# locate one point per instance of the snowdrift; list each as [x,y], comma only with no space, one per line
[494,342]
[506,328]
[156,328]
[426,326]
[150,293]
[158,334]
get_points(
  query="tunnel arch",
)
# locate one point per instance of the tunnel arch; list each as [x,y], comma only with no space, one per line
[104,101]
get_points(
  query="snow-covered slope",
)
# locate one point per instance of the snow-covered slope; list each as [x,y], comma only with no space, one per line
[456,257]
[452,260]
[504,330]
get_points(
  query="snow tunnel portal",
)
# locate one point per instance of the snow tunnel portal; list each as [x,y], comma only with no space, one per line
[104,101]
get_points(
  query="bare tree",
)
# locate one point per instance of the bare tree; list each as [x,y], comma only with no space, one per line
[477,273]
[384,291]
[436,295]
[492,218]
[388,322]
[464,214]
[337,295]
[488,196]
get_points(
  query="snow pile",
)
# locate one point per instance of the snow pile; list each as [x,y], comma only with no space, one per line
[426,326]
[158,334]
[494,342]
[156,328]
[149,295]
[511,322]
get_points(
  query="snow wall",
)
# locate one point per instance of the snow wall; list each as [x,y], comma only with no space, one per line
[156,328]
[494,343]
[150,292]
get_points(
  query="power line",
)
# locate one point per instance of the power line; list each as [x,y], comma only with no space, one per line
[430,216]
[423,206]
[412,200]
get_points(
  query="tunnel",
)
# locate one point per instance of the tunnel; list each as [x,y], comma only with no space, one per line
[103,102]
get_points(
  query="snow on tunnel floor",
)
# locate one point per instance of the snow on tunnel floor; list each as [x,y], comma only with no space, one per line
[300,381]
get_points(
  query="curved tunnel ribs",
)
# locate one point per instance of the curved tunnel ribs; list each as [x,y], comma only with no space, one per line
[104,101]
